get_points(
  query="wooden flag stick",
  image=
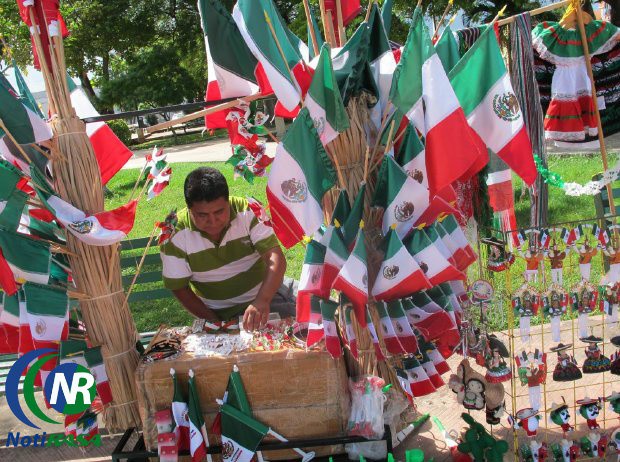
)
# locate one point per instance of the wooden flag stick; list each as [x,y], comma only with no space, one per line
[536,12]
[283,221]
[323,20]
[275,37]
[135,186]
[366,160]
[329,25]
[315,43]
[342,33]
[146,183]
[139,268]
[370,3]
[17,145]
[443,17]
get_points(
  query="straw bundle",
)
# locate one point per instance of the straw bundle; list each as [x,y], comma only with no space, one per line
[96,270]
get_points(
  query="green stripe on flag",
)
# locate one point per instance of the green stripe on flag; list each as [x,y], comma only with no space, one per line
[328,310]
[315,253]
[46,300]
[393,245]
[243,429]
[15,116]
[379,43]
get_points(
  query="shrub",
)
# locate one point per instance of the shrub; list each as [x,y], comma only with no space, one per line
[121,129]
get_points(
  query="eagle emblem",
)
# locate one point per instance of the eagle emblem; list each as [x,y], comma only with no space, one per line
[294,190]
[319,124]
[390,272]
[316,276]
[81,227]
[227,450]
[424,267]
[40,327]
[506,107]
[416,175]
[404,212]
[365,280]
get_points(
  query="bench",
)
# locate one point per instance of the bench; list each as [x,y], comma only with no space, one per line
[147,291]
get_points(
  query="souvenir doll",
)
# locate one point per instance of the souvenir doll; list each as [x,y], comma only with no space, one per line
[614,402]
[533,373]
[559,415]
[525,303]
[615,362]
[586,253]
[595,360]
[499,258]
[555,301]
[612,252]
[584,297]
[566,370]
[534,452]
[565,451]
[532,257]
[528,420]
[614,444]
[589,409]
[556,260]
[594,445]
[609,295]
[492,357]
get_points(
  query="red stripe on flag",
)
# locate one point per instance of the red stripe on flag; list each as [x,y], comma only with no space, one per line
[9,339]
[413,283]
[422,388]
[7,278]
[437,207]
[409,343]
[285,225]
[518,155]
[392,344]
[358,299]
[448,274]
[216,119]
[120,219]
[111,153]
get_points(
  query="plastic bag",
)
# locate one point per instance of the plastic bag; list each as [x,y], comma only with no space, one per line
[367,399]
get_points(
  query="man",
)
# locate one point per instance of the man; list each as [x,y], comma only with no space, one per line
[222,262]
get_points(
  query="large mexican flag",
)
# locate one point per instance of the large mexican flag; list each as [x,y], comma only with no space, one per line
[241,435]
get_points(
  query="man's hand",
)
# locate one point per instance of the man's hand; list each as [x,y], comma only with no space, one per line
[194,305]
[256,316]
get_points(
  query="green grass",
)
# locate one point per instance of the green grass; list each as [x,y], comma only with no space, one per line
[149,315]
[180,139]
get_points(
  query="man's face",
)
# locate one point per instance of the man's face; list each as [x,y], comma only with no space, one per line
[211,217]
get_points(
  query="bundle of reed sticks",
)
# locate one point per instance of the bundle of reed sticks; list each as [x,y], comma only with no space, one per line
[95,270]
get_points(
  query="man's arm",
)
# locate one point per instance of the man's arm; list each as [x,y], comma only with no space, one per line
[257,314]
[194,305]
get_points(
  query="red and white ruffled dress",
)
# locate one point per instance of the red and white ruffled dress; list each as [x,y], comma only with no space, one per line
[571,113]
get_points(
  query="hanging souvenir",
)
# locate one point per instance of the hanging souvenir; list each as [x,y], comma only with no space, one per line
[614,402]
[534,452]
[612,252]
[492,357]
[525,303]
[481,295]
[614,444]
[589,409]
[555,301]
[533,373]
[495,402]
[499,258]
[566,370]
[528,420]
[615,357]
[583,299]
[559,415]
[609,296]
[586,253]
[469,386]
[556,260]
[594,445]
[532,256]
[595,360]
[565,451]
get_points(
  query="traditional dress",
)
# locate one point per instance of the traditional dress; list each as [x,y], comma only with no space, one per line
[570,116]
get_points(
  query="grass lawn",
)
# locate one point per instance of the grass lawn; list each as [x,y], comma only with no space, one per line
[148,315]
[180,139]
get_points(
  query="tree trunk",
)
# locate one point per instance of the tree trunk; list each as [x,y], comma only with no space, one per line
[87,86]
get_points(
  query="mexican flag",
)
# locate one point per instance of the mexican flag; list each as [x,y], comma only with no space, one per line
[28,259]
[160,182]
[354,218]
[422,91]
[431,371]
[310,280]
[419,380]
[575,234]
[324,101]
[392,344]
[332,342]
[491,106]
[94,359]
[434,236]
[317,34]
[374,337]
[232,69]
[180,413]
[404,332]
[9,310]
[24,124]
[255,18]
[601,234]
[428,317]
[336,255]
[259,211]
[300,176]
[111,153]
[459,259]
[435,266]
[465,254]
[315,326]
[352,280]
[12,199]
[86,425]
[235,395]
[198,439]
[342,209]
[47,310]
[7,278]
[156,162]
[25,95]
[351,338]
[403,380]
[26,343]
[441,366]
[241,435]
[72,351]
[447,49]
[545,238]
[399,274]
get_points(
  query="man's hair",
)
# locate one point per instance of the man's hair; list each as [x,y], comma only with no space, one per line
[205,184]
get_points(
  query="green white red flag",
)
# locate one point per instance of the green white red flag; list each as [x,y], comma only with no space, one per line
[12,199]
[392,344]
[465,254]
[198,440]
[241,435]
[447,49]
[324,101]
[460,259]
[352,280]
[256,19]
[351,338]
[422,91]
[24,124]
[310,280]
[94,359]
[9,310]
[315,325]
[160,182]
[352,224]
[419,381]
[342,209]
[28,259]
[435,266]
[427,316]
[300,176]
[404,332]
[72,351]
[491,107]
[336,255]
[399,274]
[332,342]
[441,366]
[180,414]
[374,337]
[429,367]
[434,236]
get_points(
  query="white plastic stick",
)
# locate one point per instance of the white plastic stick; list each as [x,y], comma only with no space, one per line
[306,456]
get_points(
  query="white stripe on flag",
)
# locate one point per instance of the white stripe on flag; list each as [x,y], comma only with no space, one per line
[239,453]
[441,101]
[326,132]
[499,177]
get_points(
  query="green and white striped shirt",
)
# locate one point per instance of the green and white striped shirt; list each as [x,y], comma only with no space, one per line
[225,276]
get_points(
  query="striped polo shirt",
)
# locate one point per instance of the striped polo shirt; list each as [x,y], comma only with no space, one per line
[227,275]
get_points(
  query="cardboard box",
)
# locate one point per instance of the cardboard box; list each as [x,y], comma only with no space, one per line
[300,394]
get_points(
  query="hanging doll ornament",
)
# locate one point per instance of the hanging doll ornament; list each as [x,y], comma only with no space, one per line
[555,301]
[614,402]
[594,445]
[529,420]
[532,256]
[532,368]
[525,303]
[586,253]
[492,357]
[595,360]
[566,370]
[615,357]
[609,296]
[559,415]
[565,451]
[612,252]
[589,409]
[499,258]
[584,297]
[556,258]
[481,295]
[534,452]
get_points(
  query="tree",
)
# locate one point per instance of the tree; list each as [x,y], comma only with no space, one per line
[14,34]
